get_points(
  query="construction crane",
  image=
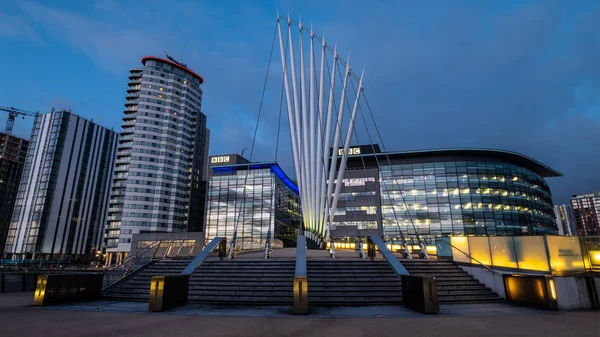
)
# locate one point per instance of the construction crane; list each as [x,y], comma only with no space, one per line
[12,114]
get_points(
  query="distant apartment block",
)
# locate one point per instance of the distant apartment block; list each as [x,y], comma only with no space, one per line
[564,220]
[62,199]
[586,211]
[13,150]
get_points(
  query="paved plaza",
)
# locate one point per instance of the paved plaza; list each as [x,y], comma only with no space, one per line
[115,319]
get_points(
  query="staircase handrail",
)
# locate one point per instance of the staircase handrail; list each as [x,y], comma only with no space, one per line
[300,256]
[472,258]
[396,265]
[116,273]
[197,261]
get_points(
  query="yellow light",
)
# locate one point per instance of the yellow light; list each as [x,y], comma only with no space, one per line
[552,289]
[595,256]
[515,178]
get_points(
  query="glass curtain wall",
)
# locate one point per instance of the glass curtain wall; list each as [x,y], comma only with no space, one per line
[261,205]
[464,198]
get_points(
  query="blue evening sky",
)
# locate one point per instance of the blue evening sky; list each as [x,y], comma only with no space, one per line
[515,75]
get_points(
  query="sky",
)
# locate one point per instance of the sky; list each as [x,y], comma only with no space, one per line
[522,76]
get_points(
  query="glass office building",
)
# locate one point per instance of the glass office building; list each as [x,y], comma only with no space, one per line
[256,199]
[443,192]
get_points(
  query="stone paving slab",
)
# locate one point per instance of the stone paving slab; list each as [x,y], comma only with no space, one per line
[285,311]
[131,319]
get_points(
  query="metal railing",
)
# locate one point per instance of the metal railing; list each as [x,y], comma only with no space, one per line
[220,242]
[391,259]
[158,250]
[474,259]
[590,246]
[116,273]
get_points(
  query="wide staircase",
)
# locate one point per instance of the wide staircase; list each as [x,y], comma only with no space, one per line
[236,282]
[340,282]
[454,285]
[243,282]
[352,282]
[136,287]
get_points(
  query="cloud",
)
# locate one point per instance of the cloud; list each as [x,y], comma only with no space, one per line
[523,77]
[108,45]
[15,28]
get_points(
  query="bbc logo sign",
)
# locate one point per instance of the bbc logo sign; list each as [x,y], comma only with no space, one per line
[351,151]
[219,159]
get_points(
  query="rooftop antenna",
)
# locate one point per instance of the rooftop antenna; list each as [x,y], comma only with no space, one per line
[243,149]
[174,60]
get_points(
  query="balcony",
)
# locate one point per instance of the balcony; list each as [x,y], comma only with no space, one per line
[135,81]
[111,236]
[115,209]
[129,116]
[128,124]
[135,74]
[122,161]
[117,192]
[114,218]
[127,131]
[119,184]
[121,176]
[123,154]
[133,88]
[125,146]
[131,102]
[126,138]
[116,200]
[122,168]
[131,96]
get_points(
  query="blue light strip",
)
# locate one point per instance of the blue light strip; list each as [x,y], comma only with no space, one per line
[273,166]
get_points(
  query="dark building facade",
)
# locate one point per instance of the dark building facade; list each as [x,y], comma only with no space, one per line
[257,199]
[62,200]
[431,193]
[586,212]
[12,157]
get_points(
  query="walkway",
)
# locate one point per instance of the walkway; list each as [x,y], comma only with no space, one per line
[132,319]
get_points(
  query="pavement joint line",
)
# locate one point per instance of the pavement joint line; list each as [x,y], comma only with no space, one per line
[317,312]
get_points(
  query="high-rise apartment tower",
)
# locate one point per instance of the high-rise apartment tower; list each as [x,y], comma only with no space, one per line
[13,150]
[61,204]
[161,155]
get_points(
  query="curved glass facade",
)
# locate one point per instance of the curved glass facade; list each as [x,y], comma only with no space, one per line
[257,200]
[463,198]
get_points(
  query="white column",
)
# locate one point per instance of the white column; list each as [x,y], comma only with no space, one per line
[312,155]
[327,142]
[320,178]
[298,124]
[336,140]
[289,104]
[342,169]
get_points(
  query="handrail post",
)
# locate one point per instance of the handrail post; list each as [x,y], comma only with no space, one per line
[331,248]
[267,250]
[222,249]
[407,253]
[156,249]
[371,248]
[423,251]
[300,278]
[361,252]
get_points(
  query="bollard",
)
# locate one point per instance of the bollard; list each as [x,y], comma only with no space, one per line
[223,249]
[168,292]
[420,294]
[300,295]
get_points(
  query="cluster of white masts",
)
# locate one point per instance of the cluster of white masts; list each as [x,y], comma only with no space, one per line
[312,125]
